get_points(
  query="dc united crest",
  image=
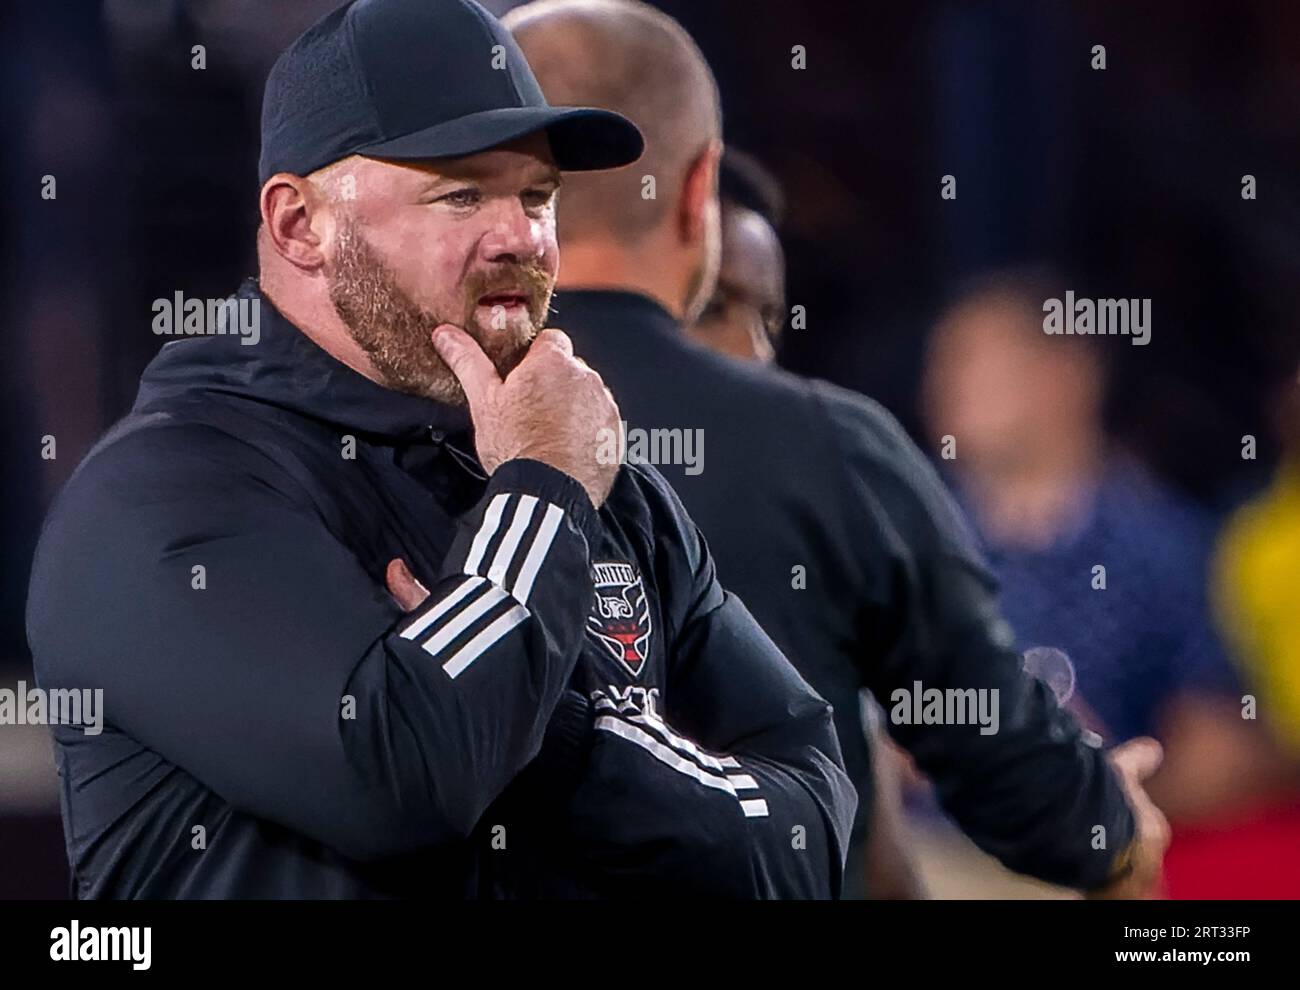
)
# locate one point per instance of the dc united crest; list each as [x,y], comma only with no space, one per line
[620,615]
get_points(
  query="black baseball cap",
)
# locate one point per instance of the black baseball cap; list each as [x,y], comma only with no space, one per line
[418,79]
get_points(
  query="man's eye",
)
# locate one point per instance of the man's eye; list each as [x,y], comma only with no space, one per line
[461,197]
[536,199]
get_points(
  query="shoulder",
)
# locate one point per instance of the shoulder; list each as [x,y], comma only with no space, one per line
[867,431]
[852,424]
[155,468]
[1160,528]
[891,473]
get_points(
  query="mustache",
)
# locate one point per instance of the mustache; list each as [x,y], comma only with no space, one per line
[530,279]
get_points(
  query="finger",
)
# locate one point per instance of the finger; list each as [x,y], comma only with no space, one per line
[402,585]
[466,360]
[556,338]
[1139,757]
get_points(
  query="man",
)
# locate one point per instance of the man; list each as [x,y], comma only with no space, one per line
[823,515]
[743,318]
[1096,555]
[572,708]
[1052,500]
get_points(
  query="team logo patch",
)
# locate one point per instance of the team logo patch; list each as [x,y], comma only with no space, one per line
[620,615]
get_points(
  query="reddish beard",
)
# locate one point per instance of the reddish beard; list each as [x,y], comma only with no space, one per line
[395,331]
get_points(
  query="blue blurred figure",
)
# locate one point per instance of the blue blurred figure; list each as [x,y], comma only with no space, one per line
[1095,555]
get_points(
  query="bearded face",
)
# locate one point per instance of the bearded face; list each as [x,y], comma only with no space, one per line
[502,306]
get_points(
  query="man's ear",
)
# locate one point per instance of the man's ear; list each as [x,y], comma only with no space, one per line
[699,194]
[296,217]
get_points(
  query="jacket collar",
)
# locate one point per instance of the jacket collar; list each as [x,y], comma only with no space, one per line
[621,314]
[287,369]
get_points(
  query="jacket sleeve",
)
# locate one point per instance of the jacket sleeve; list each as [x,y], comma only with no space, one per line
[738,783]
[183,574]
[1033,791]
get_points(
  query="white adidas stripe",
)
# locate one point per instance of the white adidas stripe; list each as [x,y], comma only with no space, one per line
[438,610]
[679,742]
[488,529]
[537,553]
[510,542]
[752,808]
[506,553]
[462,620]
[472,650]
[457,622]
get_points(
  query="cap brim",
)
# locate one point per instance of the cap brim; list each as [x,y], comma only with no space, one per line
[582,138]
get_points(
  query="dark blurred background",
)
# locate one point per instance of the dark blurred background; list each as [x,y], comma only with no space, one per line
[1126,180]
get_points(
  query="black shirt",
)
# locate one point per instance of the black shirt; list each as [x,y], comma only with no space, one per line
[836,532]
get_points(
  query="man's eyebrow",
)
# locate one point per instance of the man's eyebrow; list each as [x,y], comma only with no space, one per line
[550,175]
[432,182]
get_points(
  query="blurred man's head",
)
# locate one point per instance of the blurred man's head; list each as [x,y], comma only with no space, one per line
[743,319]
[1005,390]
[654,227]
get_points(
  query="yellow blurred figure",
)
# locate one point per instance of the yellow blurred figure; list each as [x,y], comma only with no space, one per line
[1257,585]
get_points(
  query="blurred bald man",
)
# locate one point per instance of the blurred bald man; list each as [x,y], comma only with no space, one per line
[822,514]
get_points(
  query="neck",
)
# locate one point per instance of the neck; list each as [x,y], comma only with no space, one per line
[592,264]
[1031,500]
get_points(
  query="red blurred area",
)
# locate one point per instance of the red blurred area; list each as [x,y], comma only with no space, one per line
[1255,856]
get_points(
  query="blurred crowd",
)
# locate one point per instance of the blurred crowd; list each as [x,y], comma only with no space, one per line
[1174,467]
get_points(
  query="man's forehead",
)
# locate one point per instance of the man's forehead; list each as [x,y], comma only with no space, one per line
[528,158]
[507,164]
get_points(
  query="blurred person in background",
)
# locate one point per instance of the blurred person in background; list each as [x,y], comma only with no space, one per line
[1095,555]
[744,316]
[1257,598]
[743,320]
[821,513]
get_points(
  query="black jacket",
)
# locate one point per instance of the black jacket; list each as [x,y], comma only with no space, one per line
[833,528]
[577,710]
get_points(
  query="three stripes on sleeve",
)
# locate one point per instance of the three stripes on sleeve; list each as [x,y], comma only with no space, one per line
[501,568]
[647,730]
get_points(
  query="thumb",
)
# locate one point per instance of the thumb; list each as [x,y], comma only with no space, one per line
[466,360]
[402,585]
[1138,758]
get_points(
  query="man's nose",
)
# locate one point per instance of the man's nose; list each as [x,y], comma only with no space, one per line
[512,235]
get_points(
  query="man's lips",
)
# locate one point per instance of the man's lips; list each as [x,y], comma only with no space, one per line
[504,299]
